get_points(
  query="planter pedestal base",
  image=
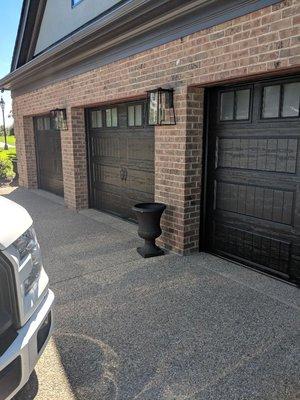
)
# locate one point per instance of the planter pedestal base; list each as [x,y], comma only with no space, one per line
[150,250]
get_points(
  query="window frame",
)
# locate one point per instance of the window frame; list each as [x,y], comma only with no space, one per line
[75,3]
[142,104]
[250,108]
[281,98]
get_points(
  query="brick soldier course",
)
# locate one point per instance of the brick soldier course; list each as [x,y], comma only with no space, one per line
[259,43]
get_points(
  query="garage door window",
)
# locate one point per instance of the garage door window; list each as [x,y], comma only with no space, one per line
[96,117]
[111,117]
[271,101]
[291,99]
[235,105]
[281,101]
[43,123]
[135,115]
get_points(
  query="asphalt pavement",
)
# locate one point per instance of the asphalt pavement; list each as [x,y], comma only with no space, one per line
[170,328]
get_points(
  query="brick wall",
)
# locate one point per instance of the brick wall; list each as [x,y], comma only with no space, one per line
[266,41]
[74,158]
[25,146]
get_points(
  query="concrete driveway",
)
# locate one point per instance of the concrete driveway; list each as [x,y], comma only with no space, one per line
[169,328]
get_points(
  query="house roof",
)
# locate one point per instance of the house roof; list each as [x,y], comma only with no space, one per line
[30,21]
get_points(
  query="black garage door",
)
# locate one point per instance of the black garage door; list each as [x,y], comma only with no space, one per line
[49,158]
[121,158]
[253,190]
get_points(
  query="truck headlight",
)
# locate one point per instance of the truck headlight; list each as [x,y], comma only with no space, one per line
[27,245]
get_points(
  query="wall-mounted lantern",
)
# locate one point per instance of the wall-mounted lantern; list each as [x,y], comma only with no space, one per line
[59,116]
[160,107]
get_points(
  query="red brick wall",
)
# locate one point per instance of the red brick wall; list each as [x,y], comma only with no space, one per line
[26,152]
[178,170]
[266,41]
[73,142]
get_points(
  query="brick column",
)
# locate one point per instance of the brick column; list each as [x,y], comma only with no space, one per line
[178,172]
[25,146]
[74,158]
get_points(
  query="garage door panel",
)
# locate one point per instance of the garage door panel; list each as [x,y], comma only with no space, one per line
[265,154]
[121,162]
[108,201]
[257,178]
[49,156]
[140,181]
[141,149]
[259,249]
[106,175]
[107,148]
[256,201]
[254,187]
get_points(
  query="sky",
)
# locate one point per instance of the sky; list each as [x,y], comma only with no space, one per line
[9,20]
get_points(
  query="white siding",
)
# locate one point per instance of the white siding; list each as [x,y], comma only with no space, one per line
[60,19]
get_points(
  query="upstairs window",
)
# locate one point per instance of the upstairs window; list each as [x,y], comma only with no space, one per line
[75,2]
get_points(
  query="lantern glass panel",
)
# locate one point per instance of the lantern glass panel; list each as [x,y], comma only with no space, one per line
[153,108]
[167,116]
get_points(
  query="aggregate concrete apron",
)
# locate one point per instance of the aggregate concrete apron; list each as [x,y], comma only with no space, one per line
[169,328]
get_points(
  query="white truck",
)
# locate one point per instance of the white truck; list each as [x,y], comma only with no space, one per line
[25,299]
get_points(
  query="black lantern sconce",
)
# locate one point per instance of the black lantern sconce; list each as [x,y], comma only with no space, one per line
[59,116]
[160,107]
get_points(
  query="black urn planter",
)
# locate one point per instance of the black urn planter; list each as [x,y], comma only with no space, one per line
[148,216]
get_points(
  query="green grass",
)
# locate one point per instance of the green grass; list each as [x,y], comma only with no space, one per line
[10,140]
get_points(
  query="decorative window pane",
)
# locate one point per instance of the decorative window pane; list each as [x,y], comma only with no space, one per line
[47,125]
[227,106]
[271,101]
[138,115]
[242,104]
[108,117]
[111,117]
[114,121]
[291,100]
[131,121]
[97,119]
[135,115]
[40,123]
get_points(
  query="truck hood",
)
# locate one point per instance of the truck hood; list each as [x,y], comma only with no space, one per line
[14,221]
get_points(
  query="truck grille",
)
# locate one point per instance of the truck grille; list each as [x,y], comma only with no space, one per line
[7,306]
